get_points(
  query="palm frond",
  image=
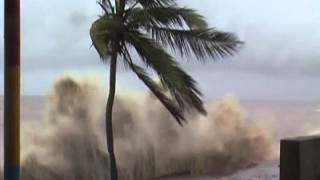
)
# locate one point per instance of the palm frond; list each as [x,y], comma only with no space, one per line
[158,92]
[151,25]
[101,37]
[166,17]
[203,43]
[181,86]
[156,3]
[106,5]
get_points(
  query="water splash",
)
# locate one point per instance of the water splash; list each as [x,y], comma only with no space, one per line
[70,143]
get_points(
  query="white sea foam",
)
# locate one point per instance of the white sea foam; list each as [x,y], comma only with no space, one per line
[148,142]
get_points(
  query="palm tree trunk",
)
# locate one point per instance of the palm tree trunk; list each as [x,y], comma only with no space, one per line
[109,130]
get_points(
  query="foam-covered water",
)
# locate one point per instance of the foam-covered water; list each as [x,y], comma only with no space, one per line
[63,137]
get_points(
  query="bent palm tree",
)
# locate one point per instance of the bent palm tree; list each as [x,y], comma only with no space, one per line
[148,27]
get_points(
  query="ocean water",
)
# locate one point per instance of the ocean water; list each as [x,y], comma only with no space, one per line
[278,119]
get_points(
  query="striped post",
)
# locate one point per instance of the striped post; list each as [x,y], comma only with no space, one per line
[12,90]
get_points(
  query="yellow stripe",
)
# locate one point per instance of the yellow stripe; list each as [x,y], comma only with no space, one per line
[12,115]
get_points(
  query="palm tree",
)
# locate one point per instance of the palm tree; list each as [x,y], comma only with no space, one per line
[153,28]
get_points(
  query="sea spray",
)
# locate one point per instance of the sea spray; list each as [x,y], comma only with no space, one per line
[70,143]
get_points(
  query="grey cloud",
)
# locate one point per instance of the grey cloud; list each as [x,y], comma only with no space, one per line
[281,38]
[78,19]
[57,36]
[278,39]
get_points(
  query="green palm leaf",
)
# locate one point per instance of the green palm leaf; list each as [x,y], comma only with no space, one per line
[166,16]
[203,43]
[101,37]
[106,5]
[174,110]
[182,86]
[156,3]
[157,90]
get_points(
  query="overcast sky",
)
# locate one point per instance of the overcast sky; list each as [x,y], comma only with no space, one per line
[280,59]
